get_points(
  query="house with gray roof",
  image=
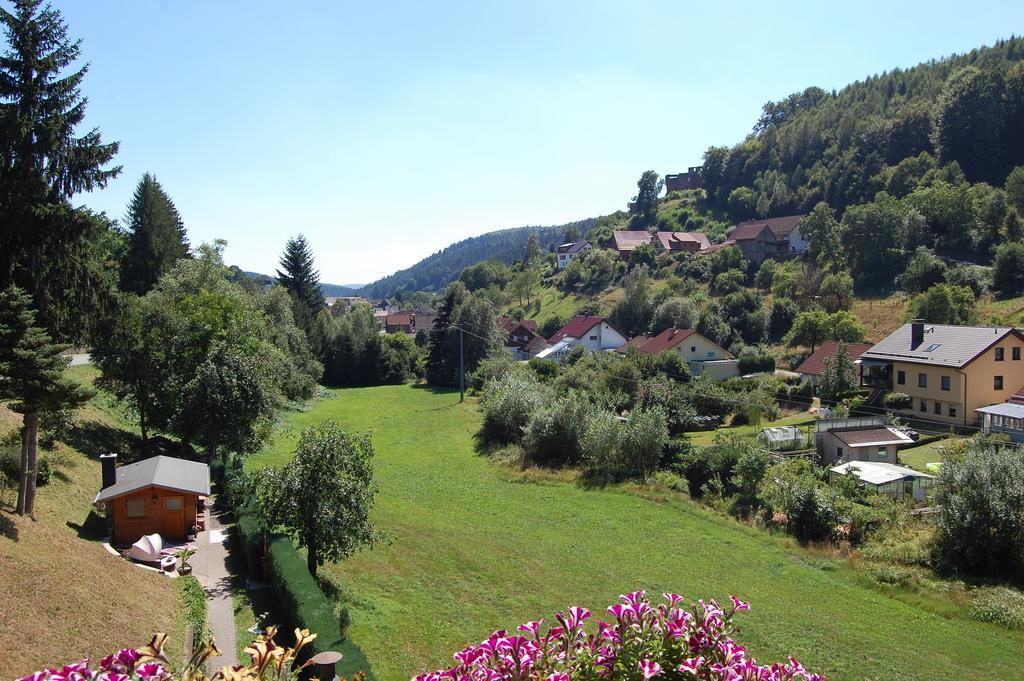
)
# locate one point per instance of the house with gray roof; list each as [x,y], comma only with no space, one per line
[948,371]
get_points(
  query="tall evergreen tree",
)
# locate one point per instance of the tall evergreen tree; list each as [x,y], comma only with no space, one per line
[45,241]
[302,281]
[157,239]
[31,374]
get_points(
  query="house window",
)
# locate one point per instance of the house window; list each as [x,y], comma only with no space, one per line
[997,383]
[945,383]
[1016,353]
[901,377]
[839,453]
[711,355]
[999,354]
[938,408]
[136,508]
[693,348]
[924,406]
[882,452]
[593,338]
[952,411]
[922,380]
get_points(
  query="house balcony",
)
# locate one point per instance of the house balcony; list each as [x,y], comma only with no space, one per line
[875,374]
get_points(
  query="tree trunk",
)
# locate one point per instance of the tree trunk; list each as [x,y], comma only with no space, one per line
[30,443]
[23,470]
[311,558]
[211,454]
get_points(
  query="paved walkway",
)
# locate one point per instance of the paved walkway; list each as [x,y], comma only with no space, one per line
[211,569]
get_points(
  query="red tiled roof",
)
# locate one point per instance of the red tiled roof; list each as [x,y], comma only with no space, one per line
[399,318]
[510,324]
[634,342]
[536,345]
[815,364]
[576,328]
[666,340]
[680,241]
[779,227]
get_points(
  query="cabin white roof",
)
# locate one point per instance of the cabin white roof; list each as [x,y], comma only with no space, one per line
[878,473]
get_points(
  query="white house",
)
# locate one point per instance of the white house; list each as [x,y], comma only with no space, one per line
[593,333]
[566,252]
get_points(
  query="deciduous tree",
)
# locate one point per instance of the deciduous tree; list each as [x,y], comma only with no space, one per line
[323,496]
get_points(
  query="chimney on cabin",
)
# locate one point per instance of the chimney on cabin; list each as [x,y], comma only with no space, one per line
[916,333]
[109,463]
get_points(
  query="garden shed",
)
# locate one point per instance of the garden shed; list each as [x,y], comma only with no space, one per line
[782,438]
[159,495]
[887,479]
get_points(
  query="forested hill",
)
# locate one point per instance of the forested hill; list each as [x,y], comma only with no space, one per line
[436,271]
[844,147]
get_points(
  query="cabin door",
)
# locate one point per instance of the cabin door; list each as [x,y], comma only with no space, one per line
[174,517]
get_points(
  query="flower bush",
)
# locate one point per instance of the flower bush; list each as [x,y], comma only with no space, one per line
[270,662]
[640,642]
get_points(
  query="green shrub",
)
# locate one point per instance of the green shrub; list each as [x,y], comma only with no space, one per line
[812,515]
[508,405]
[998,605]
[554,435]
[756,362]
[195,607]
[545,369]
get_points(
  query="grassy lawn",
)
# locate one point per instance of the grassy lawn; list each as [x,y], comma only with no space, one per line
[706,437]
[64,597]
[917,457]
[473,551]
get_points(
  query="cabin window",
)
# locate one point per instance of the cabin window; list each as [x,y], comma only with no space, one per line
[999,354]
[901,377]
[997,382]
[1016,353]
[135,508]
[945,382]
[172,503]
[922,380]
[839,453]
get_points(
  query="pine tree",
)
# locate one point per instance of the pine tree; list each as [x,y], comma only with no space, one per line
[45,241]
[157,239]
[532,252]
[32,373]
[301,281]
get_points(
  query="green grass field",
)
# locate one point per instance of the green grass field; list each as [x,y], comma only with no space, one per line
[475,549]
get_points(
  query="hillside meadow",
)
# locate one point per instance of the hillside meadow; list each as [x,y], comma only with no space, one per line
[64,596]
[475,547]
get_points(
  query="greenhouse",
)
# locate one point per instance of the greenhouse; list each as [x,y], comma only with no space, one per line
[782,438]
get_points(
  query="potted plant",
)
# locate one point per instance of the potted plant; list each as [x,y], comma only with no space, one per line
[183,555]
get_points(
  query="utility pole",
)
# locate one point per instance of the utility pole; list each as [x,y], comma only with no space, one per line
[462,374]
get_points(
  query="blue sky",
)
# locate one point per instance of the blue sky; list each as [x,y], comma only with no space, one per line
[386,131]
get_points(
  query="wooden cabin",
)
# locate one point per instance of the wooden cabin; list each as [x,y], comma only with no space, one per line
[159,495]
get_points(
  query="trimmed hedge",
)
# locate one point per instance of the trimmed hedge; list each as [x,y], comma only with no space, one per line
[195,608]
[300,597]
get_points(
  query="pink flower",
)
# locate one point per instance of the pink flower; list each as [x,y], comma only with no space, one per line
[672,599]
[649,669]
[692,665]
[128,656]
[738,605]
[150,670]
[531,627]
